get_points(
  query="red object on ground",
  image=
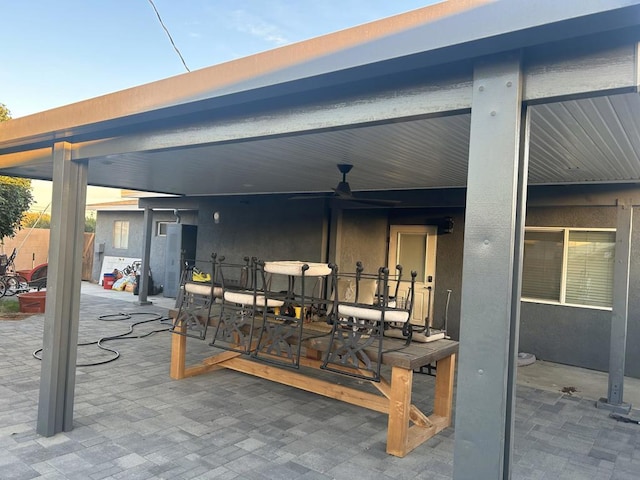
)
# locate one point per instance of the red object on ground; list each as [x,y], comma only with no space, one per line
[108,280]
[32,302]
[35,273]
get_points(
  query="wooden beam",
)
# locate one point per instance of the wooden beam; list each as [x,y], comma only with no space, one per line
[415,415]
[399,405]
[309,384]
[443,400]
[178,354]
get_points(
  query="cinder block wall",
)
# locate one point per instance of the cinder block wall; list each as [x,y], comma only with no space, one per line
[32,245]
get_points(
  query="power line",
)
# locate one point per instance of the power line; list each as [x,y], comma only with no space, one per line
[169,35]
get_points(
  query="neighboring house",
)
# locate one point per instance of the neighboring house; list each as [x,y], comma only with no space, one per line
[119,233]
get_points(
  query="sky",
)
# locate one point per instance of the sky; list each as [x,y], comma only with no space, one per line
[59,52]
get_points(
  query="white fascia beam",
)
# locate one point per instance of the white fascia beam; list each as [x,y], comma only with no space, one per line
[590,70]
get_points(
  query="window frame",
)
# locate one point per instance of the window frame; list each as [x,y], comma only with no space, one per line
[117,233]
[158,224]
[565,256]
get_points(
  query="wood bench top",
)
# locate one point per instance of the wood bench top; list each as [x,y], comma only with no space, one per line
[395,352]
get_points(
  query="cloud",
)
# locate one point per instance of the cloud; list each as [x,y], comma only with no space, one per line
[256,26]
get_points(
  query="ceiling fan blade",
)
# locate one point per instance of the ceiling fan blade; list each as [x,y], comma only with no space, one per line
[309,197]
[343,192]
[373,201]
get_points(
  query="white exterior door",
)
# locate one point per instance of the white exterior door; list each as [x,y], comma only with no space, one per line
[414,247]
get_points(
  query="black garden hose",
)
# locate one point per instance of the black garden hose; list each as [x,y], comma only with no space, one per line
[121,336]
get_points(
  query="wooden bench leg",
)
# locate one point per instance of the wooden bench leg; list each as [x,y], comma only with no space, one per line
[399,409]
[313,354]
[178,354]
[443,398]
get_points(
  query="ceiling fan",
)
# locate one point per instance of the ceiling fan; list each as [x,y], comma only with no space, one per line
[343,191]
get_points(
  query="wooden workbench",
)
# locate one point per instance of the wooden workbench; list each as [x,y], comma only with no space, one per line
[407,428]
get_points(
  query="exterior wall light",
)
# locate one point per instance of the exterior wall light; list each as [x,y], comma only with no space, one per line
[446,226]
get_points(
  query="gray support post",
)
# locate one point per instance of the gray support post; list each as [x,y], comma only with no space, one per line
[495,206]
[143,288]
[58,374]
[620,311]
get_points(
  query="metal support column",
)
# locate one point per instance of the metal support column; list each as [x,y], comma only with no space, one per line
[620,311]
[57,380]
[494,226]
[143,287]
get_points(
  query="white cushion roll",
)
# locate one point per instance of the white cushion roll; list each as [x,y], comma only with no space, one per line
[246,298]
[202,289]
[373,314]
[294,268]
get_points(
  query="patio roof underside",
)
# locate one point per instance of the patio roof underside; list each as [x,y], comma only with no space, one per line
[401,127]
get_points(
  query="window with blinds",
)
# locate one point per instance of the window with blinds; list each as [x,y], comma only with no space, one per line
[590,268]
[120,234]
[542,270]
[569,266]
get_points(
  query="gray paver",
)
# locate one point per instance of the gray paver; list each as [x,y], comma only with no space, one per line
[133,421]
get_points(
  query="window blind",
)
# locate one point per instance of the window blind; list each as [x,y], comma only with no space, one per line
[542,266]
[590,260]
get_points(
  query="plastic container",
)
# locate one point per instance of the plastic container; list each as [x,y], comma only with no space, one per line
[32,302]
[108,280]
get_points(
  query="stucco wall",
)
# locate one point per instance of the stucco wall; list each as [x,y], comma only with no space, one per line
[364,238]
[569,335]
[104,235]
[580,336]
[262,227]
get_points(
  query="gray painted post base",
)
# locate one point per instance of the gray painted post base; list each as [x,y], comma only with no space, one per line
[143,302]
[623,408]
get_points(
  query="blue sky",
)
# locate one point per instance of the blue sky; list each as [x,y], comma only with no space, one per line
[60,52]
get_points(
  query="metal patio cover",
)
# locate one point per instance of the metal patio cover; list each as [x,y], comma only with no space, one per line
[396,107]
[399,108]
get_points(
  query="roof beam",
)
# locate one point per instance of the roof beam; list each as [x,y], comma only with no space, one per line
[431,99]
[579,68]
[557,74]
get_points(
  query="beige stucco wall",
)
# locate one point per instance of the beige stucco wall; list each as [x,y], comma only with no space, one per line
[32,245]
[33,249]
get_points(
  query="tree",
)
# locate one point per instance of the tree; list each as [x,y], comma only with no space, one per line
[90,223]
[15,195]
[36,220]
[15,199]
[5,114]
